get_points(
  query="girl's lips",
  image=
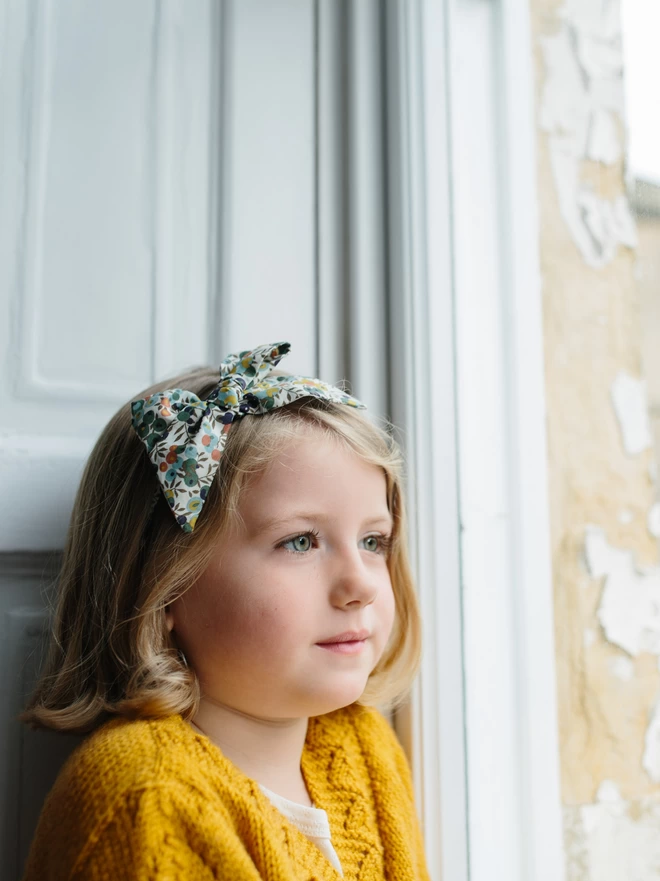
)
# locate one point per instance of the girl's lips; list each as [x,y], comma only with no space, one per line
[352,647]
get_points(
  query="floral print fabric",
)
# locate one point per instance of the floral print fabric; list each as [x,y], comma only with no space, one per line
[185,436]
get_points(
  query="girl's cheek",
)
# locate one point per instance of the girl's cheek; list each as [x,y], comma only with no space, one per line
[251,618]
[390,610]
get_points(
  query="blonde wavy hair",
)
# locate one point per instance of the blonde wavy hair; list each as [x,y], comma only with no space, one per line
[126,560]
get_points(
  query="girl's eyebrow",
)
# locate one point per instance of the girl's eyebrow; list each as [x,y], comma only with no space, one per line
[279,522]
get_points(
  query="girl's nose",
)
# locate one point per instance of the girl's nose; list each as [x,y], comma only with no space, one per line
[353,581]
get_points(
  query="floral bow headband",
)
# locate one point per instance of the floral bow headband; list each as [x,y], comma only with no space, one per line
[185,436]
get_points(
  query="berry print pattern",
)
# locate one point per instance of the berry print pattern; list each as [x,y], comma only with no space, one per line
[185,436]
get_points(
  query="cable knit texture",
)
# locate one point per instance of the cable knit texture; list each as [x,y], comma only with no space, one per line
[152,799]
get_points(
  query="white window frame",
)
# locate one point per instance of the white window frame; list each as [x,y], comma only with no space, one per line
[482,725]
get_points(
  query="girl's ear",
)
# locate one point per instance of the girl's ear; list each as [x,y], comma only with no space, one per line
[169,619]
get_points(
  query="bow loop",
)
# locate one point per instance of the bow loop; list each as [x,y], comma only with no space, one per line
[156,417]
[184,438]
[254,364]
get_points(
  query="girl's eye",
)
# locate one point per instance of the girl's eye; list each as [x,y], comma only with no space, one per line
[378,543]
[299,544]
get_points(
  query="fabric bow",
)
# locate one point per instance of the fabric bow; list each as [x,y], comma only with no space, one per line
[185,436]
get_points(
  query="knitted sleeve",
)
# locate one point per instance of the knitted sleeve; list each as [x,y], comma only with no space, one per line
[152,834]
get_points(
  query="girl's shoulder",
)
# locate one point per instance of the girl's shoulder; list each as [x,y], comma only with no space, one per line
[132,747]
[129,755]
[152,791]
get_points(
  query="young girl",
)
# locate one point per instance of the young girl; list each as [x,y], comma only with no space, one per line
[235,594]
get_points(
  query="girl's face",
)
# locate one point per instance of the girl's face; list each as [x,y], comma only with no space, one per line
[307,563]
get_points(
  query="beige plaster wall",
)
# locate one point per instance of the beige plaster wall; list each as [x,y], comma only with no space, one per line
[607,645]
[648,280]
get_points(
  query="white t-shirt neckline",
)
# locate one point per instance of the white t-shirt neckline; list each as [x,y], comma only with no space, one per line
[312,822]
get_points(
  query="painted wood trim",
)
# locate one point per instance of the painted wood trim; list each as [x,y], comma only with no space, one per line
[512,730]
[424,405]
[523,343]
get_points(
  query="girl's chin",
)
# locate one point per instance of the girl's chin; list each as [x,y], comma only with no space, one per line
[316,696]
[328,699]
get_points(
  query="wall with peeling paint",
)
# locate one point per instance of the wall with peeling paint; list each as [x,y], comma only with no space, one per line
[648,280]
[601,458]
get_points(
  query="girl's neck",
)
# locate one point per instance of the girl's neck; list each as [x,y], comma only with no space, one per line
[266,750]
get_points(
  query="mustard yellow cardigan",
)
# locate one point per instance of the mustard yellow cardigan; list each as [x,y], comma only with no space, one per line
[153,799]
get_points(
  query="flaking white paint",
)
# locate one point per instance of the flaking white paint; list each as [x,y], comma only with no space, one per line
[629,610]
[629,613]
[614,839]
[631,408]
[622,667]
[651,757]
[581,111]
[588,637]
[608,792]
[653,520]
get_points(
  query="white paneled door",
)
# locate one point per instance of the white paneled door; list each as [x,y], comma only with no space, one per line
[103,230]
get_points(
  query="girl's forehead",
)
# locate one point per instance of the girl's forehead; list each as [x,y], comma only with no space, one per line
[315,456]
[316,467]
